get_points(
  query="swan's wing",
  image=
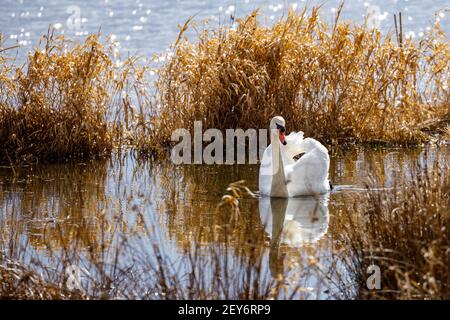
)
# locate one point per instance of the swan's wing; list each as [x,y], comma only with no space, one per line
[308,175]
[302,169]
[293,146]
[266,162]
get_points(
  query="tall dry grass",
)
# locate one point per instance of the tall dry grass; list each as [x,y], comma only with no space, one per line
[338,82]
[68,100]
[405,232]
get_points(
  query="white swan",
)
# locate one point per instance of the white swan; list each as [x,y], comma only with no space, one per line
[282,176]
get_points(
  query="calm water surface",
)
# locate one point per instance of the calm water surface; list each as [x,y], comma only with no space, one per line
[45,208]
[149,27]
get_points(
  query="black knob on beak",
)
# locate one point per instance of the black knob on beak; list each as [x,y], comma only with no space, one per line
[281,128]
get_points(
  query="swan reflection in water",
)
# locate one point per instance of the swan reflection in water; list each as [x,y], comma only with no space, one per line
[292,222]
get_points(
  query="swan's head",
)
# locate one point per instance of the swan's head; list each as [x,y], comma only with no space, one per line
[278,126]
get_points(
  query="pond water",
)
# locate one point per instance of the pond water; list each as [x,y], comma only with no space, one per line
[149,27]
[174,210]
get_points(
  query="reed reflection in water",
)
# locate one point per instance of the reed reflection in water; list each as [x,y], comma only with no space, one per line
[161,215]
[54,205]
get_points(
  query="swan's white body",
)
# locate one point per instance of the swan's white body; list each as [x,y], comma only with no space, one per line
[282,176]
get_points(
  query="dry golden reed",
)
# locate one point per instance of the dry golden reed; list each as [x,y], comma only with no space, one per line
[67,101]
[337,82]
[405,232]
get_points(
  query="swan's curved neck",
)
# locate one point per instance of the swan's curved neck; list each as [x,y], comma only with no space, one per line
[278,188]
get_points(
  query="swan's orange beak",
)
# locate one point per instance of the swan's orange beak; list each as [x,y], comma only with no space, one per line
[282,137]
